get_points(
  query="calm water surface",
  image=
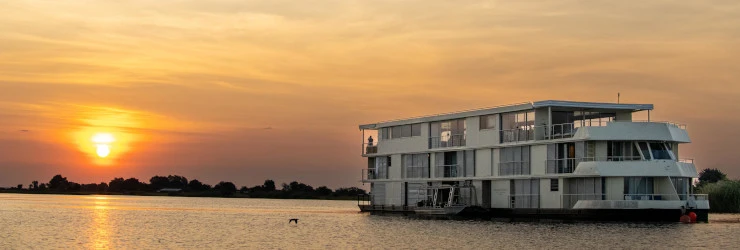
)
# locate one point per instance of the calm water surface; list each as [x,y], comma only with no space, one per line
[58,221]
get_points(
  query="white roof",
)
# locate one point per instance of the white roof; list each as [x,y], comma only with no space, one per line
[567,105]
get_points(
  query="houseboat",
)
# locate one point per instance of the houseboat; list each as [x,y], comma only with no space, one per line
[546,159]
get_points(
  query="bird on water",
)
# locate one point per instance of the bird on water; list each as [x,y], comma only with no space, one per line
[292,220]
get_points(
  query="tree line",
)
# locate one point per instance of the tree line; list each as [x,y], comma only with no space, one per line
[179,185]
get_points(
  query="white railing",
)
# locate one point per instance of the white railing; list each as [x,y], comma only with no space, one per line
[417,172]
[691,161]
[457,140]
[523,133]
[514,168]
[448,171]
[373,174]
[524,201]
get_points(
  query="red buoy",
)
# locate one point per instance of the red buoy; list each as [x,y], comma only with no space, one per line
[692,215]
[685,219]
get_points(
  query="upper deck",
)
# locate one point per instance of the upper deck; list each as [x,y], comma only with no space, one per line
[516,124]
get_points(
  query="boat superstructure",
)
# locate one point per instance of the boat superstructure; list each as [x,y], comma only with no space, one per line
[558,159]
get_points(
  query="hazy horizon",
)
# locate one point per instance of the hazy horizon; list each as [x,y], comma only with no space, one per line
[245,91]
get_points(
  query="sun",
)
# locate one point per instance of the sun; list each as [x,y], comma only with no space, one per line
[102,144]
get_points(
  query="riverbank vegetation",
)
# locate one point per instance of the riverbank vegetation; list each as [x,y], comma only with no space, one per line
[723,194]
[175,185]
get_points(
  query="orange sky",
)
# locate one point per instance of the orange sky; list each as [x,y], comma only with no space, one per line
[248,90]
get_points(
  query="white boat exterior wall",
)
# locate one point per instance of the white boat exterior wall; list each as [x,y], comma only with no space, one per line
[405,145]
[614,188]
[483,162]
[500,193]
[550,199]
[636,168]
[664,187]
[538,159]
[633,131]
[487,147]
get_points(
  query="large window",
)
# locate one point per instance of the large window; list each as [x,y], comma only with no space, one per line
[622,151]
[517,126]
[655,150]
[488,122]
[447,134]
[417,165]
[402,131]
[638,188]
[514,161]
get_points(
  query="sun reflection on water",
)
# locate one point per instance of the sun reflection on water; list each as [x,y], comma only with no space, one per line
[101,224]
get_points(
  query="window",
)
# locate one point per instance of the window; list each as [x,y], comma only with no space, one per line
[660,152]
[622,151]
[447,134]
[396,132]
[488,122]
[645,150]
[553,185]
[514,161]
[402,131]
[638,188]
[417,165]
[416,129]
[385,133]
[517,126]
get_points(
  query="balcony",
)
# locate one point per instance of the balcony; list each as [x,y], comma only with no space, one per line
[457,140]
[369,148]
[373,174]
[448,171]
[514,168]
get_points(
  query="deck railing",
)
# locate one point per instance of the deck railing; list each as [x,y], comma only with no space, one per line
[457,140]
[570,200]
[417,172]
[448,171]
[524,201]
[368,148]
[373,174]
[657,197]
[514,168]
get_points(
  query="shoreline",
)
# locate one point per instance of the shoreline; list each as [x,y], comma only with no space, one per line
[186,195]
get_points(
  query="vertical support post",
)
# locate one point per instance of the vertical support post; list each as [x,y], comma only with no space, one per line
[648,115]
[362,145]
[549,123]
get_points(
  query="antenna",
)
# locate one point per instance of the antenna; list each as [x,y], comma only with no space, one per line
[618,94]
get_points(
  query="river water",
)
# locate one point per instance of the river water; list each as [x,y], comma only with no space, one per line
[135,222]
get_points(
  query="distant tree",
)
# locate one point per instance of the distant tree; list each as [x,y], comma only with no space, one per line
[35,185]
[197,186]
[352,191]
[323,191]
[710,175]
[269,186]
[176,181]
[58,183]
[158,182]
[116,185]
[42,186]
[244,190]
[74,187]
[30,186]
[300,187]
[225,188]
[133,184]
[20,186]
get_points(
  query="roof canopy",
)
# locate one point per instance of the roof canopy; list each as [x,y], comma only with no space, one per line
[556,105]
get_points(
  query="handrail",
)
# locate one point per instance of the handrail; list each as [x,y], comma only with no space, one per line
[368,148]
[455,140]
[447,171]
[454,112]
[373,174]
[514,168]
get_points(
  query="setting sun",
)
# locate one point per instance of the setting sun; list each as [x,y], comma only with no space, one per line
[102,144]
